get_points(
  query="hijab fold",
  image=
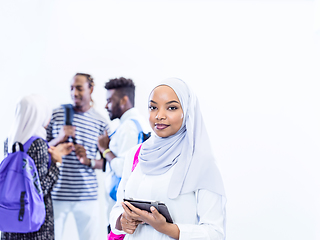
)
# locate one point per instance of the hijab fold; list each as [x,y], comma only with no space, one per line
[31,117]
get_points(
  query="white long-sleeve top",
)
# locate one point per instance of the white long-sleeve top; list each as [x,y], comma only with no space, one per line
[124,138]
[199,215]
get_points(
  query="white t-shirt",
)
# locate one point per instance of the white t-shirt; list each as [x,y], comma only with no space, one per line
[199,215]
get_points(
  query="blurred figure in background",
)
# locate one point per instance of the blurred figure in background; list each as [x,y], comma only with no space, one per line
[76,189]
[31,118]
[120,104]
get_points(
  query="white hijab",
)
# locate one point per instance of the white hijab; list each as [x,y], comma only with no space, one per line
[32,115]
[189,149]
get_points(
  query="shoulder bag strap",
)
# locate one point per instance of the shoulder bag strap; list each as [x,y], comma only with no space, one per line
[136,158]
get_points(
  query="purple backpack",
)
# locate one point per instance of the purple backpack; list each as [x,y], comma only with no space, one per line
[22,207]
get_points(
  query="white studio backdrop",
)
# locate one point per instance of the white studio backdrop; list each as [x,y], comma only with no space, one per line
[253,64]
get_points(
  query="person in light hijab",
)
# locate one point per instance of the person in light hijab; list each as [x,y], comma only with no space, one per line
[31,118]
[176,167]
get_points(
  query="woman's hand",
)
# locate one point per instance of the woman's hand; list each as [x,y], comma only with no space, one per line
[154,219]
[129,220]
[60,150]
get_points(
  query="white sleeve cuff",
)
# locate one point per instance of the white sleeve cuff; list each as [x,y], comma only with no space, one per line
[191,231]
[202,231]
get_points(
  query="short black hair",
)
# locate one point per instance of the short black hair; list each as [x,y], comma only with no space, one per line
[123,87]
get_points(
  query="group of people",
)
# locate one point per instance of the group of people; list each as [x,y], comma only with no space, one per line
[174,165]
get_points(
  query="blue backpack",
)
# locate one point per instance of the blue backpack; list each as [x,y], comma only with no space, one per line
[115,179]
[22,208]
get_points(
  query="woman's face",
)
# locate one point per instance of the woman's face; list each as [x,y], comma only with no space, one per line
[165,111]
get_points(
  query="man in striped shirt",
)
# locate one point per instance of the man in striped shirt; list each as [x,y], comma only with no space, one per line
[76,189]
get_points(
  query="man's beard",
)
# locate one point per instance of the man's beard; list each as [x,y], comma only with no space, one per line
[115,113]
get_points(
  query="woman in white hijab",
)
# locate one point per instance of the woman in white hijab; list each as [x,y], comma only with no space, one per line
[176,166]
[31,118]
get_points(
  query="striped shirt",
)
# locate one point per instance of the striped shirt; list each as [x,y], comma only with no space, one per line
[77,182]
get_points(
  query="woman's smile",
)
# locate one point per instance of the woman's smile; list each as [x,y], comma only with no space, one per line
[165,111]
[161,126]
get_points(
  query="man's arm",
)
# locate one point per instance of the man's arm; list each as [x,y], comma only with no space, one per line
[99,162]
[103,145]
[64,133]
[127,137]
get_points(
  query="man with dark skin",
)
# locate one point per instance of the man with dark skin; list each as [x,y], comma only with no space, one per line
[116,107]
[76,189]
[120,104]
[81,96]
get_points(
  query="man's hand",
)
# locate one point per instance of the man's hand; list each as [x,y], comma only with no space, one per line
[103,142]
[65,132]
[81,154]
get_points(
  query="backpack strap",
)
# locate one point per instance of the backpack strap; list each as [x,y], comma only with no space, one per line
[140,136]
[27,145]
[14,147]
[22,206]
[68,116]
[136,158]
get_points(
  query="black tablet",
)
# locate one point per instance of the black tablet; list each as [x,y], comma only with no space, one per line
[145,205]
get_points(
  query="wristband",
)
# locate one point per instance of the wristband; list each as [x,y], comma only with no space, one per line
[58,164]
[105,152]
[92,163]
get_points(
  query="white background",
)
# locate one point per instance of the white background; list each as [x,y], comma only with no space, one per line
[253,64]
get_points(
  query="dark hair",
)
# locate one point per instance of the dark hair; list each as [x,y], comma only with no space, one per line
[89,80]
[123,87]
